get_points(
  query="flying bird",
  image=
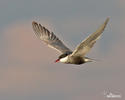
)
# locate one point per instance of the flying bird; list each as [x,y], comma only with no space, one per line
[68,56]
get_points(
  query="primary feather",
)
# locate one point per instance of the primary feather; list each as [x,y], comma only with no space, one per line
[88,43]
[49,38]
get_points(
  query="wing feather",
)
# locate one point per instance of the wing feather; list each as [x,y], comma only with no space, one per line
[88,43]
[49,38]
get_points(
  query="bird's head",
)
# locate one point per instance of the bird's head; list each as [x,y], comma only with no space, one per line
[61,57]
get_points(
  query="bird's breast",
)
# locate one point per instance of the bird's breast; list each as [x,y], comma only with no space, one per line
[64,60]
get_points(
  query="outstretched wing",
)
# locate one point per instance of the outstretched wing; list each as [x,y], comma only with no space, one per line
[88,43]
[49,38]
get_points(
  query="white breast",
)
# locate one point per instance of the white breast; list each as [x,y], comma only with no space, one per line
[63,60]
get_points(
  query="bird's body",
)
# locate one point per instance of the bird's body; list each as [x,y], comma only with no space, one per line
[69,57]
[73,60]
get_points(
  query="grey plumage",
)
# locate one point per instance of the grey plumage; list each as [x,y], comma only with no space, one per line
[88,43]
[67,56]
[49,38]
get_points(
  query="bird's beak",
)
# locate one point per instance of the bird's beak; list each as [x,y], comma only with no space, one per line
[57,61]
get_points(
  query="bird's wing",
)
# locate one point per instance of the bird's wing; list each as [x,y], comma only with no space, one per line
[49,38]
[88,43]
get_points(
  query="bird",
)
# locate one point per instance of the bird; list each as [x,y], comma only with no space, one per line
[68,56]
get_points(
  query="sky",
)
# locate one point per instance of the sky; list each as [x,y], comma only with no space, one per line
[27,68]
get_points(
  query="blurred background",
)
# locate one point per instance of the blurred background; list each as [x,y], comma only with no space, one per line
[27,68]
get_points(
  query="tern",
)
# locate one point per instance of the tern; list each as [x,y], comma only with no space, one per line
[68,56]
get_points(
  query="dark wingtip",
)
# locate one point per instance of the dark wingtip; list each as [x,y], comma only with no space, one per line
[107,20]
[35,23]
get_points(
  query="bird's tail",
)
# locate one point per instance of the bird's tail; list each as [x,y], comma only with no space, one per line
[92,60]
